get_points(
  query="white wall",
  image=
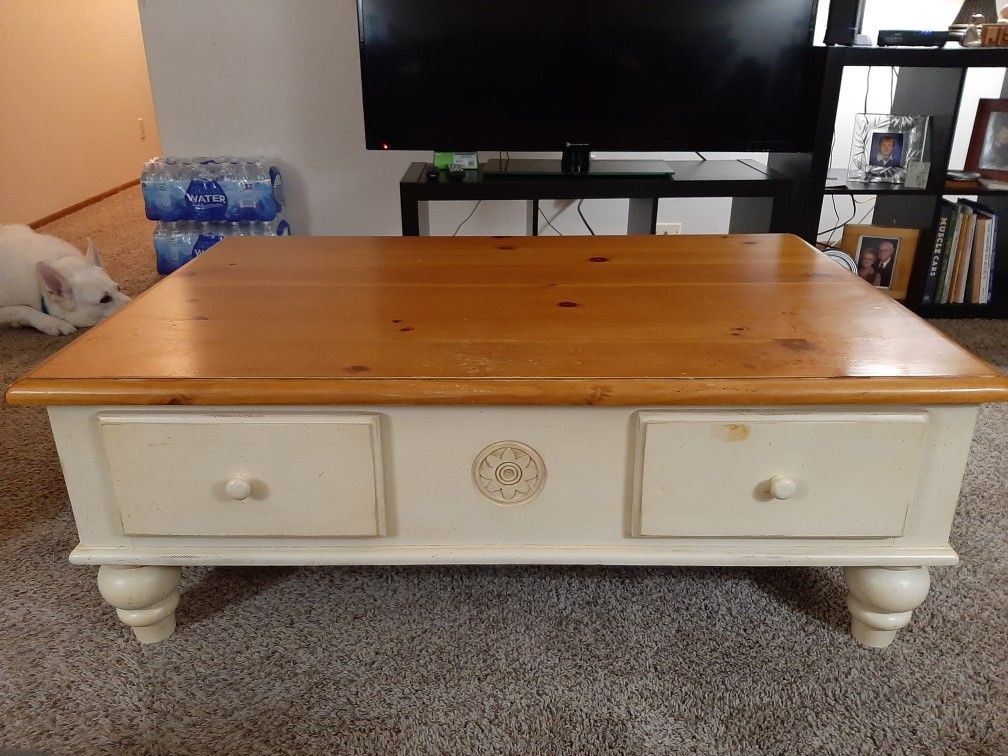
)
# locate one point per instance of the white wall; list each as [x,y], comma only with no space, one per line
[279,79]
[283,79]
[73,82]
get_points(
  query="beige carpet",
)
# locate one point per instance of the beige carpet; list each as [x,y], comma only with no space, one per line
[484,660]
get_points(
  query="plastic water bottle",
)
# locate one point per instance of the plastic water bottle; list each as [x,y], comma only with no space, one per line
[206,237]
[178,242]
[211,189]
[163,192]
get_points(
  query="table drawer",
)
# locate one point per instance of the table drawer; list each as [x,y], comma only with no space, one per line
[238,474]
[776,475]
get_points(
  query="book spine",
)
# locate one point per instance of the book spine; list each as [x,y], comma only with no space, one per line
[948,259]
[965,252]
[984,265]
[976,261]
[931,285]
[991,251]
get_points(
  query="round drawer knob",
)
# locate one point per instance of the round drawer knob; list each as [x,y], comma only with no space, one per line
[238,489]
[782,487]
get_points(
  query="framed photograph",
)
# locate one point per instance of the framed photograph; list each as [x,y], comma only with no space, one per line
[884,256]
[884,145]
[886,149]
[988,150]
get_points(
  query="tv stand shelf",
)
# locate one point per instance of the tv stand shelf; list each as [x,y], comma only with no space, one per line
[759,194]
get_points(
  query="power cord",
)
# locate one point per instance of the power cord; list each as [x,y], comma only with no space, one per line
[478,203]
[583,219]
[836,212]
[701,156]
[548,222]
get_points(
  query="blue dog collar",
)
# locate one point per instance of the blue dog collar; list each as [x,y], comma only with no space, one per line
[45,310]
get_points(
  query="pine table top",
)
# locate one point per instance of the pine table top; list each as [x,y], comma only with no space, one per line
[639,320]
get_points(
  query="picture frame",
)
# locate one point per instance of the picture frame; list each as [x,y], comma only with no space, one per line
[883,145]
[884,255]
[988,149]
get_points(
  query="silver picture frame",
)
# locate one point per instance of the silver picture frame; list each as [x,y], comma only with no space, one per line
[884,145]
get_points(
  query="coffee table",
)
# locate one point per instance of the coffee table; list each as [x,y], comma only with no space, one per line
[705,400]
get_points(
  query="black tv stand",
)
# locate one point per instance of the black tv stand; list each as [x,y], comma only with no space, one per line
[524,169]
[760,195]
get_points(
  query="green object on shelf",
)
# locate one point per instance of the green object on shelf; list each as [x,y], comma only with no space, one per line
[443,160]
[468,161]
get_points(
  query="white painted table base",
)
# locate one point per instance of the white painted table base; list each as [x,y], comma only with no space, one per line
[157,488]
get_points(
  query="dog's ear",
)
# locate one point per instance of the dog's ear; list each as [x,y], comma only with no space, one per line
[91,256]
[54,281]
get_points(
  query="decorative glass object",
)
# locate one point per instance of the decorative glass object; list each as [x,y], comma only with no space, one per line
[883,146]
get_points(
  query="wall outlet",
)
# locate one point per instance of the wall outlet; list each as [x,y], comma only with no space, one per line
[143,131]
[666,229]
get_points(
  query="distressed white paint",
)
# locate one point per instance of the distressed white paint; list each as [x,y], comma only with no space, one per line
[709,474]
[881,601]
[434,512]
[309,474]
[145,598]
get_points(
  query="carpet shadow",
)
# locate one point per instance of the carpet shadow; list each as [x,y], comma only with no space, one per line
[221,587]
[816,592]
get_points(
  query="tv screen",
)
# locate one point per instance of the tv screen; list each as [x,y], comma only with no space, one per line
[641,75]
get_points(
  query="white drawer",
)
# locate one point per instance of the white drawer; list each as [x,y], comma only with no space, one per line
[824,474]
[239,474]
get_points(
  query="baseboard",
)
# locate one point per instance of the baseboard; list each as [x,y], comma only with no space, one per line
[82,204]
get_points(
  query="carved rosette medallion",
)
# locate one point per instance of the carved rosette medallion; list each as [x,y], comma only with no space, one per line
[509,472]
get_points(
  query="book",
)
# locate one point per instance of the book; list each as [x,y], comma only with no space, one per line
[942,236]
[948,264]
[993,185]
[961,268]
[979,246]
[976,262]
[963,255]
[987,271]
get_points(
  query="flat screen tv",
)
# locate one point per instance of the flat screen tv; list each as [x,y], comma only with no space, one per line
[627,75]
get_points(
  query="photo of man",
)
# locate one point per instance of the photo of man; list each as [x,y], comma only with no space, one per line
[876,259]
[995,146]
[886,150]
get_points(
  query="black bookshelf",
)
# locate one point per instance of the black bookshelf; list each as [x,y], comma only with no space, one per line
[931,83]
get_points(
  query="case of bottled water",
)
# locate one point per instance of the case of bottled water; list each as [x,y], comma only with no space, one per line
[176,243]
[211,189]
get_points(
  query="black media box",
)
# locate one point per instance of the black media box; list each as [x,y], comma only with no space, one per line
[905,38]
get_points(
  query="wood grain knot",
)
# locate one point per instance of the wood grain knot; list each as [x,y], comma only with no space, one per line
[567,304]
[599,259]
[798,345]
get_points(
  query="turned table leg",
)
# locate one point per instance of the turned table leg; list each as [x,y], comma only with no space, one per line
[882,599]
[144,597]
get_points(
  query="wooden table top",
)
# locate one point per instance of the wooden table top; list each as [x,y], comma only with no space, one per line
[669,320]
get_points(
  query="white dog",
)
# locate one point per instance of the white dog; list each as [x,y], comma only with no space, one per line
[46,283]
